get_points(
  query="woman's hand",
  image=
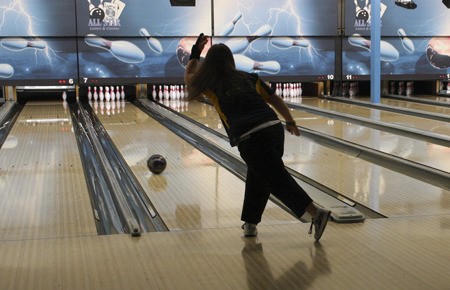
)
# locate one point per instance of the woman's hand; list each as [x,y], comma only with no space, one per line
[198,47]
[292,128]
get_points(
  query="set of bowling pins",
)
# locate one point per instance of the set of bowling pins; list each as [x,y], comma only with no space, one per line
[286,90]
[108,107]
[107,93]
[168,92]
[408,90]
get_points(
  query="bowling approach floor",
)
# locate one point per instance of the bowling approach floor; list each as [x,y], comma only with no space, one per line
[48,238]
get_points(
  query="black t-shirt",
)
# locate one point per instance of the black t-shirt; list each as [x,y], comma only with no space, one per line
[240,102]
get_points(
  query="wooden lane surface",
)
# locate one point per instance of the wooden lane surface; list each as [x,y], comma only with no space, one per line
[434,126]
[441,99]
[193,192]
[383,190]
[436,109]
[419,151]
[42,185]
[402,253]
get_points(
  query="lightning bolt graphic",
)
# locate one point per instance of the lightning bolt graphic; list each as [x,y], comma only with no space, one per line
[283,18]
[23,18]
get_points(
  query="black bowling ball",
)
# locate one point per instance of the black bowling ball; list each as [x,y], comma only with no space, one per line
[156,164]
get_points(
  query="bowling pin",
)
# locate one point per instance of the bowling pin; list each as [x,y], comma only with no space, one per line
[400,88]
[182,92]
[229,27]
[122,93]
[107,94]
[387,51]
[89,95]
[154,94]
[287,42]
[113,95]
[160,92]
[6,70]
[101,95]
[95,94]
[152,42]
[407,43]
[351,91]
[64,96]
[177,91]
[247,64]
[122,50]
[171,92]
[238,45]
[18,43]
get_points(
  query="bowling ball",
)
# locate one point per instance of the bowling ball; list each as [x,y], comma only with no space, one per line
[438,52]
[156,164]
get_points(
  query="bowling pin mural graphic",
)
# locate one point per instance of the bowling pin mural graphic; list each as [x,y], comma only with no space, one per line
[407,43]
[239,45]
[229,27]
[247,64]
[124,51]
[18,43]
[152,42]
[288,42]
[387,51]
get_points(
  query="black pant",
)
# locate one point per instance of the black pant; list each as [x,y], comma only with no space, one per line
[266,174]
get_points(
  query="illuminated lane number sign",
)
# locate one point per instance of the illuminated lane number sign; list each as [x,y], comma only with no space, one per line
[349,77]
[330,77]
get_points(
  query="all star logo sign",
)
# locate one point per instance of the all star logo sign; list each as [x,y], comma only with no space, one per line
[105,15]
[362,14]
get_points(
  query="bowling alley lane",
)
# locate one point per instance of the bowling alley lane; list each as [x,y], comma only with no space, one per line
[193,192]
[42,185]
[419,151]
[381,189]
[428,125]
[441,99]
[435,109]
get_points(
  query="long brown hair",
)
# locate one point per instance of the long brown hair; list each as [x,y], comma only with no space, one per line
[217,66]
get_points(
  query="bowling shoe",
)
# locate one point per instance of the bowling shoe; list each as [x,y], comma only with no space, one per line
[319,222]
[250,230]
